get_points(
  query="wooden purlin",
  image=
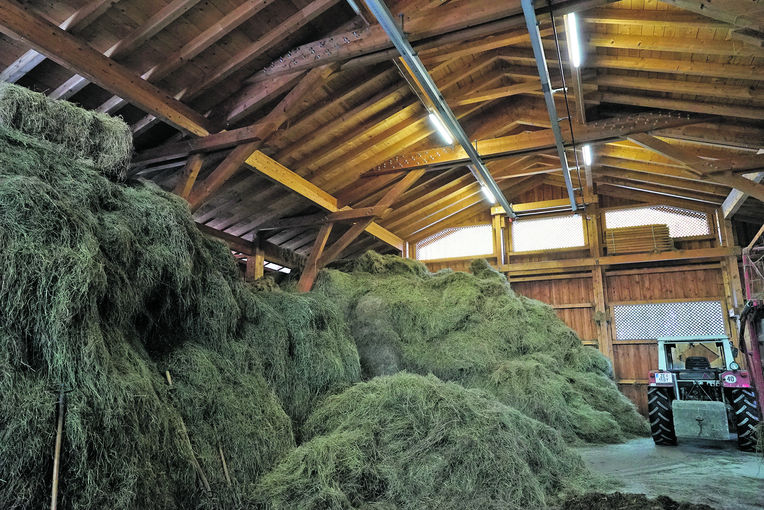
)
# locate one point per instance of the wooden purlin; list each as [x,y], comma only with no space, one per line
[594,132]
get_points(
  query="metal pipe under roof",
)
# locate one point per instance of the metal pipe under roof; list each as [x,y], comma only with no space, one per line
[538,51]
[402,44]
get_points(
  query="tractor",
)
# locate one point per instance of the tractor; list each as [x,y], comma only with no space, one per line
[699,391]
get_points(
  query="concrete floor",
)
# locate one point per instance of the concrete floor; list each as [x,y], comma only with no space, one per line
[714,473]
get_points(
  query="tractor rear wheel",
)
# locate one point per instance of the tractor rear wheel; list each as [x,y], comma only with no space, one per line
[660,415]
[745,413]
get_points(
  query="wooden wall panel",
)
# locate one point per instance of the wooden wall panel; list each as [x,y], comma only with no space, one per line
[637,394]
[633,361]
[664,285]
[572,299]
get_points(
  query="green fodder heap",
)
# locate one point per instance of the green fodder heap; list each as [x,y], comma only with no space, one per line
[106,288]
[474,330]
[411,442]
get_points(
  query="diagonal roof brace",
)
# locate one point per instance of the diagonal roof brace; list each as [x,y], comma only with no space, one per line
[402,44]
[538,51]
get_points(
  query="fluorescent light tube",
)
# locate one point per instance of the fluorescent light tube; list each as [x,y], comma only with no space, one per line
[441,128]
[488,194]
[574,45]
[587,152]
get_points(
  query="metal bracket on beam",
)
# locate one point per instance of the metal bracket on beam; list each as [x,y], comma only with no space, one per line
[538,51]
[402,44]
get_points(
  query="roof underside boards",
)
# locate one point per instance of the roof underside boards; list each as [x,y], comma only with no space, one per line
[322,100]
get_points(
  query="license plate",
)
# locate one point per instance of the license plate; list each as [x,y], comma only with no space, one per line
[663,378]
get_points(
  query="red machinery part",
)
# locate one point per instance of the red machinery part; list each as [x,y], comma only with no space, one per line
[736,379]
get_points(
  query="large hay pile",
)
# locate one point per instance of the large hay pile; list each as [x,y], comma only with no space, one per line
[105,287]
[412,442]
[473,329]
[109,292]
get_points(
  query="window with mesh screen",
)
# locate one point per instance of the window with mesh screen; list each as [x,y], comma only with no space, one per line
[655,320]
[531,234]
[681,222]
[457,242]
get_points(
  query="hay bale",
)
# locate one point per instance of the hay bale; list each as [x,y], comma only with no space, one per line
[105,141]
[473,329]
[412,442]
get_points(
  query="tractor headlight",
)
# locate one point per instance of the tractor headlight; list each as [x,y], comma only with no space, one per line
[734,366]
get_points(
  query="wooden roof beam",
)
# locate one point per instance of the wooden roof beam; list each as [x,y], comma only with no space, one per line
[522,143]
[702,167]
[148,29]
[647,64]
[702,107]
[191,49]
[19,22]
[737,198]
[75,23]
[447,23]
[735,14]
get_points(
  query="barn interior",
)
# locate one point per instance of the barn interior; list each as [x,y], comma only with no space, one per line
[372,254]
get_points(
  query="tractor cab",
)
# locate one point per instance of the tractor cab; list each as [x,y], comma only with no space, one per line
[699,391]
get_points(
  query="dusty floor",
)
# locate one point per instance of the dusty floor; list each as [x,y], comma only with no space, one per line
[714,473]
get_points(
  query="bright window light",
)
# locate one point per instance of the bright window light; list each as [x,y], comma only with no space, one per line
[587,152]
[488,195]
[444,133]
[571,33]
[469,241]
[551,233]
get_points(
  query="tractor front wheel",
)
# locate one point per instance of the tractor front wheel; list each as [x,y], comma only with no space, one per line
[661,415]
[745,413]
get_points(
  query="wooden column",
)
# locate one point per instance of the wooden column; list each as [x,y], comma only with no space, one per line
[255,266]
[497,222]
[310,272]
[734,297]
[601,315]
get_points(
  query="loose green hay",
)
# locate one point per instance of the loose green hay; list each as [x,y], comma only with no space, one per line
[411,442]
[104,141]
[107,287]
[104,287]
[473,329]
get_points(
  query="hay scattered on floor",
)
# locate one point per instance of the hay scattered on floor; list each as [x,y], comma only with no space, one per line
[623,501]
[473,329]
[412,442]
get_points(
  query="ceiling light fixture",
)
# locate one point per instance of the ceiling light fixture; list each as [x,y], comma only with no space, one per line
[445,134]
[571,34]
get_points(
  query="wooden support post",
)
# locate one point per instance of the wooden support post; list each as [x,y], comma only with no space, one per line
[255,265]
[310,271]
[189,175]
[497,223]
[343,242]
[229,166]
[601,315]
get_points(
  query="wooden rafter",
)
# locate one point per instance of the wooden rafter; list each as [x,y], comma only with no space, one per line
[157,22]
[540,140]
[318,258]
[19,22]
[191,49]
[74,24]
[718,171]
